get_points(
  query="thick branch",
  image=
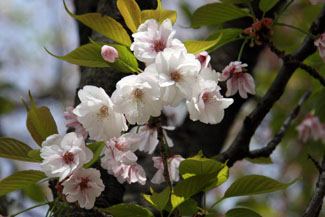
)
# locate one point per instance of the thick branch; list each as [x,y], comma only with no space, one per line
[239,149]
[270,147]
[316,201]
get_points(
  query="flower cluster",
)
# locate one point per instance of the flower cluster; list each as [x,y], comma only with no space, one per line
[172,75]
[311,126]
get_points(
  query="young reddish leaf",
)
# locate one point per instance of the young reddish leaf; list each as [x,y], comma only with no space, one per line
[131,13]
[104,25]
[14,149]
[40,122]
[20,180]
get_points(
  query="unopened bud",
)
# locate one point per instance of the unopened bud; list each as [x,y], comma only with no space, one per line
[109,53]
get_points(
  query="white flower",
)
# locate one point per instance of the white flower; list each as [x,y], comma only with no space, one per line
[173,169]
[64,154]
[138,97]
[207,104]
[72,121]
[153,38]
[83,186]
[120,161]
[311,125]
[204,59]
[177,73]
[149,138]
[97,115]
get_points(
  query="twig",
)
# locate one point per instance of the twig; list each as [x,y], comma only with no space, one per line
[315,204]
[313,73]
[316,163]
[239,149]
[270,147]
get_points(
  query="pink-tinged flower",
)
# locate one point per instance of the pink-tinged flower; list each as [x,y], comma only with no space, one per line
[64,154]
[149,138]
[153,38]
[320,44]
[178,72]
[138,97]
[173,168]
[109,53]
[96,114]
[316,1]
[239,81]
[310,126]
[120,161]
[84,186]
[72,122]
[204,59]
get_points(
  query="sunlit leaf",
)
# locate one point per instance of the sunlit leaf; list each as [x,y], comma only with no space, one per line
[242,212]
[14,149]
[20,180]
[159,14]
[35,154]
[216,13]
[266,5]
[128,210]
[131,13]
[195,47]
[255,184]
[158,200]
[104,25]
[228,35]
[40,122]
[34,192]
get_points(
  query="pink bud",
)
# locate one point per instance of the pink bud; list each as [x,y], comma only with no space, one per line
[109,53]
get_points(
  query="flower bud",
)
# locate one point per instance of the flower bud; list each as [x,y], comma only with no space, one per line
[109,53]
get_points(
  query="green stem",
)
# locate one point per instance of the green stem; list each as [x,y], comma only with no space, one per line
[252,11]
[25,210]
[213,205]
[138,129]
[242,49]
[296,28]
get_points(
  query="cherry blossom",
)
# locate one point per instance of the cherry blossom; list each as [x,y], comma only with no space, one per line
[204,59]
[109,53]
[310,126]
[72,121]
[97,115]
[120,161]
[320,44]
[138,97]
[84,186]
[239,81]
[177,71]
[173,168]
[64,154]
[153,38]
[149,138]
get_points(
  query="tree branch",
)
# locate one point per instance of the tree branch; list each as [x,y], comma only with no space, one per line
[270,147]
[239,149]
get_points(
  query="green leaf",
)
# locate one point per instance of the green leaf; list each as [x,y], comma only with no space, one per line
[35,155]
[128,210]
[20,180]
[228,35]
[158,200]
[131,13]
[195,47]
[199,166]
[96,148]
[35,192]
[159,14]
[5,105]
[14,149]
[216,13]
[188,207]
[260,160]
[317,102]
[255,184]
[40,122]
[242,212]
[236,1]
[104,25]
[266,5]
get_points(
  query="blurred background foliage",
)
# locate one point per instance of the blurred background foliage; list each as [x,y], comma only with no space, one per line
[28,26]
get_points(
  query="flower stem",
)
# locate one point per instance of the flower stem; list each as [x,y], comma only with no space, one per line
[242,49]
[296,28]
[213,205]
[25,210]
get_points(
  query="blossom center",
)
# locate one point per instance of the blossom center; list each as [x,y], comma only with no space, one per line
[68,157]
[103,111]
[159,46]
[84,183]
[236,74]
[137,93]
[206,97]
[175,76]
